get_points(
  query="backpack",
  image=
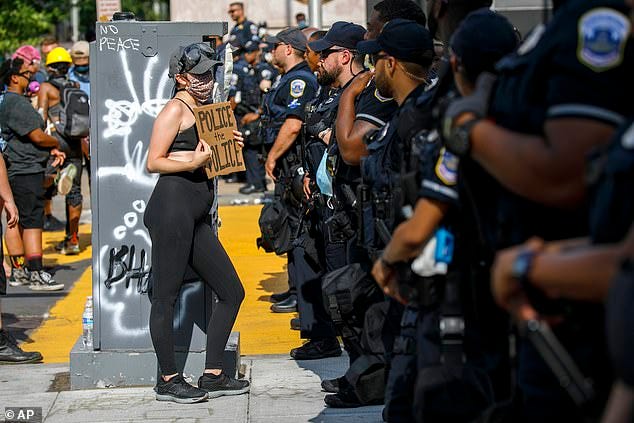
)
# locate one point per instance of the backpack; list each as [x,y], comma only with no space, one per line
[74,118]
[277,227]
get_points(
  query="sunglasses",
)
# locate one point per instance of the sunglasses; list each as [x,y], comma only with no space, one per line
[374,58]
[231,11]
[193,53]
[325,53]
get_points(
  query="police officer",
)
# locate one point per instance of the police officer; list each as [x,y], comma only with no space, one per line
[284,114]
[553,103]
[401,55]
[267,73]
[338,64]
[244,30]
[246,96]
[435,217]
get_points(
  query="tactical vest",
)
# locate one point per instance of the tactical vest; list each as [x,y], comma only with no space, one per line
[274,111]
[249,88]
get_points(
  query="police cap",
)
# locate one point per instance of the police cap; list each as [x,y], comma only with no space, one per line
[251,46]
[482,39]
[291,36]
[341,34]
[403,39]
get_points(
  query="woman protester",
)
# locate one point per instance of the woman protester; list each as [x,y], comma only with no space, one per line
[177,217]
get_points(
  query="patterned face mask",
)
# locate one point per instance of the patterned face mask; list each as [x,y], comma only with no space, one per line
[200,86]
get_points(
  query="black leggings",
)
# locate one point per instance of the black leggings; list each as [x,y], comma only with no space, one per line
[176,217]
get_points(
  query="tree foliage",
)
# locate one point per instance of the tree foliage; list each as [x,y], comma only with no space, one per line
[24,22]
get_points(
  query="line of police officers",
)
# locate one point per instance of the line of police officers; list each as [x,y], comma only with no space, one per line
[420,172]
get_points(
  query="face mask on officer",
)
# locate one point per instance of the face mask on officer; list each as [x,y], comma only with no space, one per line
[200,86]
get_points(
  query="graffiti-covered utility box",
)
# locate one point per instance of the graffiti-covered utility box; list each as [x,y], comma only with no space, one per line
[129,87]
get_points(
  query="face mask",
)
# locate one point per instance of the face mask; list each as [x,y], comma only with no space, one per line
[200,86]
[323,178]
[82,69]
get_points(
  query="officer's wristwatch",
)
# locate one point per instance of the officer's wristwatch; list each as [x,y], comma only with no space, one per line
[522,266]
[459,141]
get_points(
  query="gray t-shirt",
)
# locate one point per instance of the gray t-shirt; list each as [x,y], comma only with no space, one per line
[17,119]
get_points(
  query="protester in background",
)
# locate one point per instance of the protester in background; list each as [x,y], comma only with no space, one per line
[181,237]
[48,43]
[32,57]
[27,151]
[10,352]
[80,73]
[80,70]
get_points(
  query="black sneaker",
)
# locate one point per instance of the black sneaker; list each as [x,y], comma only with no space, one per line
[276,298]
[314,350]
[11,353]
[218,386]
[347,399]
[178,390]
[333,385]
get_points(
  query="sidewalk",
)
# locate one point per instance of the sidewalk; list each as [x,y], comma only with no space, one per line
[282,390]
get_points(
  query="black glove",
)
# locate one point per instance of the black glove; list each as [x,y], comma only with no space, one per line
[316,128]
[477,103]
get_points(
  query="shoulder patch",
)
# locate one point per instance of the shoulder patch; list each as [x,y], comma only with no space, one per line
[297,87]
[254,29]
[294,104]
[627,140]
[603,33]
[380,97]
[234,79]
[447,167]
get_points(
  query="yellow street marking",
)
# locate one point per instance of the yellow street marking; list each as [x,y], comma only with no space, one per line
[57,335]
[261,331]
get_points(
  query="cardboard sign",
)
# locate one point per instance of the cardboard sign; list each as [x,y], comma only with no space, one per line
[215,124]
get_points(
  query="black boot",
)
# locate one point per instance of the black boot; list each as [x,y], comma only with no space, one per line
[11,353]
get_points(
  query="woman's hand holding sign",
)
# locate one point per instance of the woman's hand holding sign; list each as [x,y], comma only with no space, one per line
[202,155]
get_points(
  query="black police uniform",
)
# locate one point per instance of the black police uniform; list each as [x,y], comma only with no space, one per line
[288,98]
[244,32]
[370,107]
[315,323]
[266,71]
[245,89]
[611,178]
[575,70]
[382,172]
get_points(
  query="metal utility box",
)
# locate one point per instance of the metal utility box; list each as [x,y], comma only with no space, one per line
[129,87]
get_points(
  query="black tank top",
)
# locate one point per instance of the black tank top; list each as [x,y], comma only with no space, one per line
[185,140]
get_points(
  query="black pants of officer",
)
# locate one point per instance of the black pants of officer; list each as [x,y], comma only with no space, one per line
[255,168]
[399,392]
[315,323]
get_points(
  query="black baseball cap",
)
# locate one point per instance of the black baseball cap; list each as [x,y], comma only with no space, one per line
[403,39]
[197,58]
[292,36]
[341,34]
[480,50]
[251,46]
